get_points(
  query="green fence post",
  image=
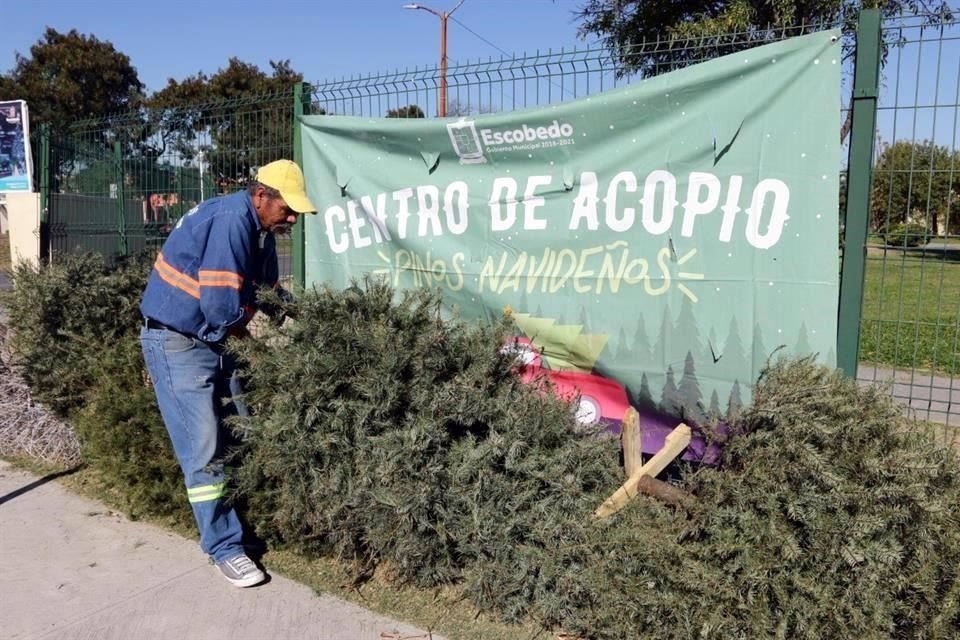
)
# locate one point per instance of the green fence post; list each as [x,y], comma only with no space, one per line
[866,78]
[301,104]
[43,232]
[121,201]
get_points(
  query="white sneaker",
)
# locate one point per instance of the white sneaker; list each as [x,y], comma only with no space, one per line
[240,571]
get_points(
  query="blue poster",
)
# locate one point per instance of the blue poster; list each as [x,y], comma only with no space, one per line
[16,168]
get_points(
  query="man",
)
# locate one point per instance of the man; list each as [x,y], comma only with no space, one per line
[202,290]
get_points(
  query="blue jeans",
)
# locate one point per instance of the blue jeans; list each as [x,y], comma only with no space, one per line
[192,381]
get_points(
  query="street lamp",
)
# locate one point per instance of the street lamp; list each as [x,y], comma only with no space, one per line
[443,49]
[200,163]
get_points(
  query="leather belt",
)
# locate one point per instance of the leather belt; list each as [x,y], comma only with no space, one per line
[150,323]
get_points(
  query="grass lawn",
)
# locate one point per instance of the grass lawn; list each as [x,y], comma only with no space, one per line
[911,312]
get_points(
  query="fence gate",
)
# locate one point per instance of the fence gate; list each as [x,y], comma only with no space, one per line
[116,185]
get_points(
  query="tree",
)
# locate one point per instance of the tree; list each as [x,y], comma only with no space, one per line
[713,345]
[687,332]
[915,182]
[670,401]
[244,112]
[410,111]
[689,391]
[759,350]
[623,357]
[523,306]
[641,344]
[732,361]
[734,402]
[714,411]
[71,76]
[644,398]
[628,27]
[660,352]
[584,321]
[458,109]
[803,347]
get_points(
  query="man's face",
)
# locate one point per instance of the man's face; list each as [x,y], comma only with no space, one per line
[274,213]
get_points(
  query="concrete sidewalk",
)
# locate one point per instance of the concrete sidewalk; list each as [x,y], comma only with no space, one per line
[71,568]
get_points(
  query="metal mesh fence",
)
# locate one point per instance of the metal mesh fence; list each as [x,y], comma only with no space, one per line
[119,184]
[911,312]
[116,185]
[526,80]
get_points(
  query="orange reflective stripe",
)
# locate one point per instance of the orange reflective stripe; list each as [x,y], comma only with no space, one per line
[220,283]
[175,278]
[209,278]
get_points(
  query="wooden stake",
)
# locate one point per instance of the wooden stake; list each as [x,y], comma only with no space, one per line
[665,492]
[674,445]
[631,439]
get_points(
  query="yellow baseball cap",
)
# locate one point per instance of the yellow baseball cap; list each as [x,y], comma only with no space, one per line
[287,178]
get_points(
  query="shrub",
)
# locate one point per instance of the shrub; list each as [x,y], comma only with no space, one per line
[75,327]
[62,315]
[830,518]
[386,435]
[907,235]
[123,437]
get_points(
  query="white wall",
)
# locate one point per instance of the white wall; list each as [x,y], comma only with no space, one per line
[23,220]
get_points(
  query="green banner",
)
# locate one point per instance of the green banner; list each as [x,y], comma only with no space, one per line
[669,235]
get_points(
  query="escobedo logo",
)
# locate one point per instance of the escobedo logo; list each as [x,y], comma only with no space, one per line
[466,142]
[469,145]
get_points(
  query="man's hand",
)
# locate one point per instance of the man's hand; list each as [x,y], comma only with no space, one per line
[285,308]
[238,331]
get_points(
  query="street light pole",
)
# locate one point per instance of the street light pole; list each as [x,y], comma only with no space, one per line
[443,50]
[200,162]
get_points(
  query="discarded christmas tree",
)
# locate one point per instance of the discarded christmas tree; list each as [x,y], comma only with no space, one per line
[830,517]
[389,436]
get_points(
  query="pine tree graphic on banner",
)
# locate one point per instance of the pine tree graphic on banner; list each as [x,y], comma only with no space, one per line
[583,320]
[607,364]
[641,343]
[760,353]
[670,402]
[522,306]
[710,366]
[614,360]
[714,412]
[733,359]
[711,349]
[734,403]
[623,358]
[687,334]
[803,347]
[644,398]
[689,391]
[663,339]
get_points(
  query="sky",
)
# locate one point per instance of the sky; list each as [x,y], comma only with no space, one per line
[331,39]
[323,39]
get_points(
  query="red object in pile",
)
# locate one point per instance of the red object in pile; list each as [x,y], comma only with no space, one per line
[601,400]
